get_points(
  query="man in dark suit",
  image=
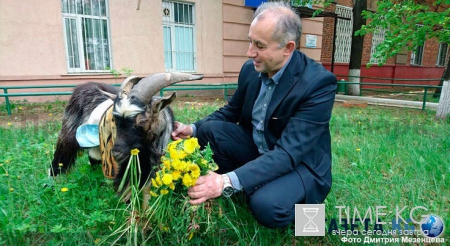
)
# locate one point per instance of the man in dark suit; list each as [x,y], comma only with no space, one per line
[272,139]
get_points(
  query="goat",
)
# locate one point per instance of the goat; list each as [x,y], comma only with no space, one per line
[135,120]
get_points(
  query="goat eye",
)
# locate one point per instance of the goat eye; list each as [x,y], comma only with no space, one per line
[143,122]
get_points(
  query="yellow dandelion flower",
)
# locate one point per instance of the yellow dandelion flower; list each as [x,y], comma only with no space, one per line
[20,108]
[190,145]
[9,123]
[60,164]
[195,174]
[176,174]
[167,179]
[134,151]
[358,149]
[174,144]
[166,162]
[65,189]
[154,184]
[184,166]
[158,179]
[195,170]
[164,192]
[172,186]
[173,153]
[152,193]
[187,180]
[50,114]
[181,154]
[11,189]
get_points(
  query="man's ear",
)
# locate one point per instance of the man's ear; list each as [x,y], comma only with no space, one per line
[290,47]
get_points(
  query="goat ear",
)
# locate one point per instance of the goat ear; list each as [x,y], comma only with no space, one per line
[160,103]
[110,95]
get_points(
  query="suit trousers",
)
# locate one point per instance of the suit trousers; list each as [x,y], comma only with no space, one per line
[272,204]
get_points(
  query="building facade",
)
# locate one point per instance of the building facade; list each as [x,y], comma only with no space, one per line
[74,41]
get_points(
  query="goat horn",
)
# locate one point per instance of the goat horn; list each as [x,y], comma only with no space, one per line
[127,85]
[148,86]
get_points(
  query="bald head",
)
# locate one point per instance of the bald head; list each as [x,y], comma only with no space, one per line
[288,24]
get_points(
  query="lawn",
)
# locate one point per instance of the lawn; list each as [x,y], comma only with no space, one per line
[384,159]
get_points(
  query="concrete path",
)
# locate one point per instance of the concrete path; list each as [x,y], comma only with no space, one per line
[386,102]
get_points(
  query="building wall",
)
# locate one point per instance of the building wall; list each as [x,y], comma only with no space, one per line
[33,49]
[236,22]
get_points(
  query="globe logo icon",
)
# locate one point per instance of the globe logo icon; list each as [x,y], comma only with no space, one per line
[432,226]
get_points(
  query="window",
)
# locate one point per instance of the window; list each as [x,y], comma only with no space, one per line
[442,54]
[377,38]
[343,34]
[179,36]
[86,28]
[417,55]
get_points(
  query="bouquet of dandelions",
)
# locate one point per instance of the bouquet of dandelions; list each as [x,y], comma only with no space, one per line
[170,211]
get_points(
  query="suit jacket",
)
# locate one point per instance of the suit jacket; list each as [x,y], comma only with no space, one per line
[296,126]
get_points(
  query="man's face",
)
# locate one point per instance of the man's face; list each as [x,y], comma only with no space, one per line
[266,53]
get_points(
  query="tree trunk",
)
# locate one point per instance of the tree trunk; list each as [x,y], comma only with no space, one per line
[446,73]
[443,110]
[357,47]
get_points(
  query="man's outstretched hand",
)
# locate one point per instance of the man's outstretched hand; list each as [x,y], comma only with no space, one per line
[181,131]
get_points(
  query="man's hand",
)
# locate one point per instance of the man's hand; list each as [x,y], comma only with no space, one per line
[207,187]
[181,131]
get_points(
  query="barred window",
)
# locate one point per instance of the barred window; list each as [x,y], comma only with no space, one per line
[377,38]
[343,34]
[417,56]
[87,39]
[179,36]
[442,54]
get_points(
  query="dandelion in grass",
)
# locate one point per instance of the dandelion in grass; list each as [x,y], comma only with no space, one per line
[134,151]
[358,150]
[64,189]
[9,123]
[11,189]
[50,115]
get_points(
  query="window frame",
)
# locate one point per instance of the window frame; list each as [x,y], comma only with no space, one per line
[81,47]
[171,25]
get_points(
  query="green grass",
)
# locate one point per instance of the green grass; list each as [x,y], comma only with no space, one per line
[381,157]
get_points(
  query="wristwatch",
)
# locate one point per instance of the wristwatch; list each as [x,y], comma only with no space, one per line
[227,189]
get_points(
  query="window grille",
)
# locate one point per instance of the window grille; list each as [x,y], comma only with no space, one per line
[179,36]
[377,38]
[343,34]
[87,39]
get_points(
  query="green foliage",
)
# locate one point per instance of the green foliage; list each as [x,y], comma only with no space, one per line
[407,24]
[380,157]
